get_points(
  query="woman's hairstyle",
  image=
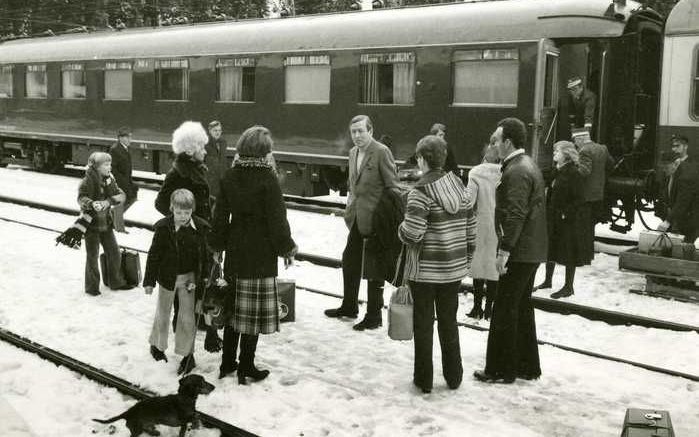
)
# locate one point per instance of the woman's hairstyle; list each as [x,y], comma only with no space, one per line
[182,198]
[433,150]
[568,151]
[188,138]
[437,127]
[97,159]
[255,142]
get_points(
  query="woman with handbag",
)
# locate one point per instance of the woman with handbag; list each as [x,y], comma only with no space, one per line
[438,239]
[250,225]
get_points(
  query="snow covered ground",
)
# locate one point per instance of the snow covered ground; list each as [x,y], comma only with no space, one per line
[326,379]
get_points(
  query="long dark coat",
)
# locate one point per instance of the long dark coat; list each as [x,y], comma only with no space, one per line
[216,162]
[568,218]
[190,174]
[383,247]
[683,200]
[122,169]
[250,221]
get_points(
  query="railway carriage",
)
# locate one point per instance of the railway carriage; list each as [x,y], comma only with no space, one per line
[464,64]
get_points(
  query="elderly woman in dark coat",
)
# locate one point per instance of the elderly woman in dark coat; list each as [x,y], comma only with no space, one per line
[567,217]
[250,225]
[188,169]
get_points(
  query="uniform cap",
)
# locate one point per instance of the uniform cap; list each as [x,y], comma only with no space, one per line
[573,82]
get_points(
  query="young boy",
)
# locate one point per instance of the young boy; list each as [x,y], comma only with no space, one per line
[97,193]
[177,261]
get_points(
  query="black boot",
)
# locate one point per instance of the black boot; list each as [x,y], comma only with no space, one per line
[477,312]
[247,369]
[490,293]
[373,318]
[186,365]
[230,349]
[157,354]
[550,267]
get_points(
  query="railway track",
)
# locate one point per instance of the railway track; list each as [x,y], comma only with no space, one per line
[109,380]
[543,304]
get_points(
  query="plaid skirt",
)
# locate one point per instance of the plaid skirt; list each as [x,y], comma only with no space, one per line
[256,306]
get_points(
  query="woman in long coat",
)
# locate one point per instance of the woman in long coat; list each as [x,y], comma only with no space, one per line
[250,225]
[482,181]
[567,217]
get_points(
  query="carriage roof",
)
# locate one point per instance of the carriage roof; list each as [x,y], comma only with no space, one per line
[683,19]
[456,23]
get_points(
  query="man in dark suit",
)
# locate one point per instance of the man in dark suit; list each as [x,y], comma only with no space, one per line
[682,192]
[520,218]
[371,169]
[121,165]
[215,160]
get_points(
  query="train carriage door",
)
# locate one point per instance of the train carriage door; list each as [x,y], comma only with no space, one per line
[545,104]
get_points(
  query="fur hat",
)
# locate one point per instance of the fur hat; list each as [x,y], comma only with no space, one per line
[188,138]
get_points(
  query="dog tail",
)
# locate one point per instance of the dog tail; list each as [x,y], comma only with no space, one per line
[113,419]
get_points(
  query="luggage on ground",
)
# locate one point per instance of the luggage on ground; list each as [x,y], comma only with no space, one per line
[646,423]
[131,267]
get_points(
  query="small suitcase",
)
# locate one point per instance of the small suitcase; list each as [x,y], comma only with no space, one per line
[131,267]
[106,280]
[286,293]
[647,423]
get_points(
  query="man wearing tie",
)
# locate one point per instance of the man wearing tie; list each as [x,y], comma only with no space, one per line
[682,193]
[371,169]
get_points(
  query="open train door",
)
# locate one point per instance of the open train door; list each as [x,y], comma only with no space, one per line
[545,104]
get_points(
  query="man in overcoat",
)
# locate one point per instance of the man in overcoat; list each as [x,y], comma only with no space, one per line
[371,169]
[215,160]
[520,218]
[682,192]
[121,165]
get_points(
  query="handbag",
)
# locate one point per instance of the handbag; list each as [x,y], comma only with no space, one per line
[218,300]
[400,307]
[286,294]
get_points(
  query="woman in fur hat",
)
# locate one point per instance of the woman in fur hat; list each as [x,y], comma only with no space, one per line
[188,169]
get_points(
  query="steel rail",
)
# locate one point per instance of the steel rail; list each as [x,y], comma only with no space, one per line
[105,378]
[543,304]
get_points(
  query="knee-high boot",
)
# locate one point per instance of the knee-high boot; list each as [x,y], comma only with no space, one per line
[491,291]
[230,349]
[477,312]
[247,369]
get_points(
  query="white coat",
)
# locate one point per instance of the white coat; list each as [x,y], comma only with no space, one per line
[482,181]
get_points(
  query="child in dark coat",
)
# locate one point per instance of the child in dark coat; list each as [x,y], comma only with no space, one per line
[97,193]
[177,261]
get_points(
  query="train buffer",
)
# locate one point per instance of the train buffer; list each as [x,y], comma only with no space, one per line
[672,275]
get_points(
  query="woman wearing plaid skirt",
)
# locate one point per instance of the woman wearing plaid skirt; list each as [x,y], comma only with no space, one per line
[250,225]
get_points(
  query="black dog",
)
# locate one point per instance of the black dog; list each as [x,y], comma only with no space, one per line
[171,410]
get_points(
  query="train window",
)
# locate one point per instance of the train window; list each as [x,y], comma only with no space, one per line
[486,77]
[172,79]
[73,81]
[5,81]
[387,78]
[307,79]
[35,81]
[236,80]
[118,83]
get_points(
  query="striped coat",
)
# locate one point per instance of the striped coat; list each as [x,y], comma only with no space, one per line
[439,229]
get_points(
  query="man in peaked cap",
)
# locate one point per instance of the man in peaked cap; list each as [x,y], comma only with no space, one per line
[581,105]
[121,165]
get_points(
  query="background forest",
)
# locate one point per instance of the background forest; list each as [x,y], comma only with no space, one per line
[22,18]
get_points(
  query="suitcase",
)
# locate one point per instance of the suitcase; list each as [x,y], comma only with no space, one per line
[106,280]
[647,423]
[286,293]
[131,267]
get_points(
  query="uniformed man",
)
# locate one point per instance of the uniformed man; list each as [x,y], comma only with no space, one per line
[581,105]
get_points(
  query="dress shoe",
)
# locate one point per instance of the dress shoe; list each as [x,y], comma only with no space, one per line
[367,323]
[543,286]
[476,313]
[563,292]
[125,287]
[492,379]
[340,312]
[157,354]
[227,371]
[186,365]
[254,373]
[93,293]
[423,388]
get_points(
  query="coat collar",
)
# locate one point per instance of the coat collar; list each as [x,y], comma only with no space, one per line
[514,156]
[368,156]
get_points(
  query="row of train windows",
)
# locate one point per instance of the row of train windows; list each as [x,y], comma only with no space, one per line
[480,77]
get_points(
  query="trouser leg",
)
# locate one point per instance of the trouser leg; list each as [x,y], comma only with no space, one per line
[446,305]
[374,300]
[160,329]
[527,346]
[111,250]
[92,271]
[352,270]
[423,327]
[230,347]
[186,329]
